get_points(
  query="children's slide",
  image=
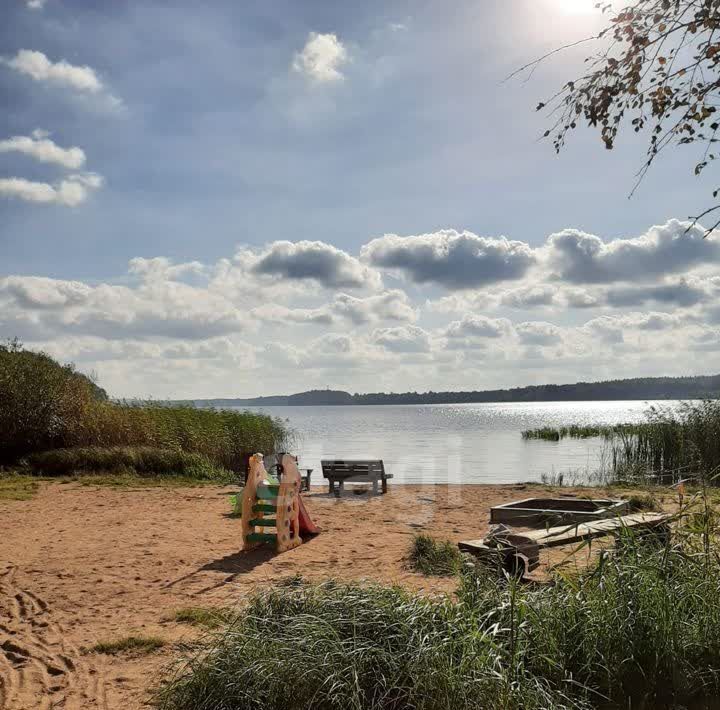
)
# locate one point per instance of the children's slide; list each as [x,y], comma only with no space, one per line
[307,526]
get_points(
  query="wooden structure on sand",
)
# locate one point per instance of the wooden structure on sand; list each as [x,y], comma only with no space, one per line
[519,551]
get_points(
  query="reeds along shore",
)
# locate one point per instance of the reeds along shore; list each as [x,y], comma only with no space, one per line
[671,445]
[46,407]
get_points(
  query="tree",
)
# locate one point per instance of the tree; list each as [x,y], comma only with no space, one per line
[658,70]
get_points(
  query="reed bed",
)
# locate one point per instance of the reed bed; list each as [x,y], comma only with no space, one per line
[576,431]
[639,630]
[45,406]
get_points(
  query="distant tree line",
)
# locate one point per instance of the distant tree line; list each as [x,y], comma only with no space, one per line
[701,387]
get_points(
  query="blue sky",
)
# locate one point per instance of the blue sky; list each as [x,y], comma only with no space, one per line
[212,133]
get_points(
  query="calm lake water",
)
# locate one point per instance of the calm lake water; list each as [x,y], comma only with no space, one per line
[455,443]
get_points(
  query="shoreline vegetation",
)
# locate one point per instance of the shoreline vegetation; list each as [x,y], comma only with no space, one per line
[55,421]
[669,446]
[638,388]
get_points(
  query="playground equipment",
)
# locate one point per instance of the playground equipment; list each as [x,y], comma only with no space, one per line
[262,499]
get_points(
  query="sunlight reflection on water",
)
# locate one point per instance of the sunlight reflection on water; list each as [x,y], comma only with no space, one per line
[455,443]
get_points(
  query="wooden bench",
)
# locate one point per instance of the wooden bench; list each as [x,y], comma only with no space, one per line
[366,471]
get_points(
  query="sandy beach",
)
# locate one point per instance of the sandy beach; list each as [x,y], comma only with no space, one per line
[82,565]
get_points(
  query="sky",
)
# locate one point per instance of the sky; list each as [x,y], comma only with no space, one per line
[235,199]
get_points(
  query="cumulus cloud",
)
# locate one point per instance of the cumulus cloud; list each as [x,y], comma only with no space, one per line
[38,67]
[277,313]
[390,305]
[579,257]
[36,292]
[321,58]
[679,293]
[317,261]
[538,333]
[478,326]
[40,147]
[403,339]
[455,260]
[69,192]
[35,4]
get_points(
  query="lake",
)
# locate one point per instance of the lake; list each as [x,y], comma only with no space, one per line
[455,443]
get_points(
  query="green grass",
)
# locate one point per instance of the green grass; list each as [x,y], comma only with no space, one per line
[46,406]
[136,645]
[439,558]
[17,487]
[640,630]
[126,461]
[205,617]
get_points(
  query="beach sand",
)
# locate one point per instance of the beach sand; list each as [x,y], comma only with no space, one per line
[81,565]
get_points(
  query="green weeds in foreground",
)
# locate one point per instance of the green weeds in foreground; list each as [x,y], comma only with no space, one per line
[641,629]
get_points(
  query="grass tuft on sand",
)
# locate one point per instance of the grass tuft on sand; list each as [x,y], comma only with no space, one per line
[137,645]
[205,617]
[439,558]
[17,487]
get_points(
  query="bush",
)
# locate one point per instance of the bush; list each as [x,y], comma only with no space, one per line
[44,406]
[139,461]
[641,630]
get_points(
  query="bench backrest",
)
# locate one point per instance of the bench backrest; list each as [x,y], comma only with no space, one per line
[359,469]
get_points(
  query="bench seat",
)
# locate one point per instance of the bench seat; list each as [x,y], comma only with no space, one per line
[340,471]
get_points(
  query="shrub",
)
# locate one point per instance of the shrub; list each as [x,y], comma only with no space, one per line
[45,405]
[140,461]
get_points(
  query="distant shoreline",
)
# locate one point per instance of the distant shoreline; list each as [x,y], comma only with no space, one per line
[645,388]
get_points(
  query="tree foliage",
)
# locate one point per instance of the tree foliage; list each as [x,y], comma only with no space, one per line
[657,70]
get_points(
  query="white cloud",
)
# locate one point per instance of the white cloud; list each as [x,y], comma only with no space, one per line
[403,339]
[35,4]
[37,66]
[578,257]
[322,263]
[478,326]
[538,333]
[69,192]
[389,305]
[40,147]
[321,58]
[455,260]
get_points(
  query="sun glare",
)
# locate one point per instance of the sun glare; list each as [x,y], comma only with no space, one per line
[576,7]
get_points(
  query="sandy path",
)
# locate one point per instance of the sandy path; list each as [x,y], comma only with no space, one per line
[79,565]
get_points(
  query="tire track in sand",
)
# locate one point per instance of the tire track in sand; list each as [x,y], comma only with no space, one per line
[39,667]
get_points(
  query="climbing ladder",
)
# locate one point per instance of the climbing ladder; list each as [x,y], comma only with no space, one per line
[270,511]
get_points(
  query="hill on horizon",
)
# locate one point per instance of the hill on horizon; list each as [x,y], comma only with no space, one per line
[693,387]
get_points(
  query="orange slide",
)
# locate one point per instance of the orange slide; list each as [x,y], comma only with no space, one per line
[307,526]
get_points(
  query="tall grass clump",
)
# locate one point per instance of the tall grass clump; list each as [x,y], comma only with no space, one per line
[126,460]
[46,406]
[440,558]
[639,630]
[673,444]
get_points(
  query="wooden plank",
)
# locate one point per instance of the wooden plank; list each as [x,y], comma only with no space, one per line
[568,534]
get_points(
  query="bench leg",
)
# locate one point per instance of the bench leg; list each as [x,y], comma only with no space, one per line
[384,485]
[341,489]
[375,487]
